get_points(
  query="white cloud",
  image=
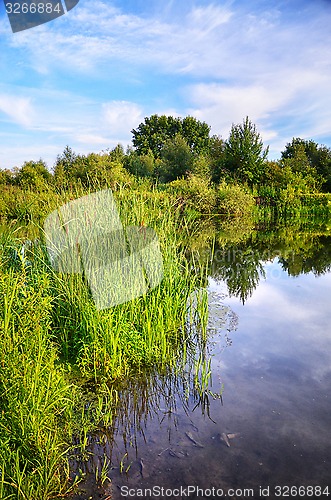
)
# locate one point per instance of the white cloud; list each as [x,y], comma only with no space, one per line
[206,19]
[18,109]
[223,62]
[222,105]
[99,32]
[26,152]
[92,139]
[121,117]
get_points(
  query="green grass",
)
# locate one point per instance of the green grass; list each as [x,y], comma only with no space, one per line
[34,394]
[54,343]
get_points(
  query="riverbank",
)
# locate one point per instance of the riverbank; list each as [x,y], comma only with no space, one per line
[56,346]
[62,359]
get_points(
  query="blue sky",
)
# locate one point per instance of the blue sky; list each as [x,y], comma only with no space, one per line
[87,78]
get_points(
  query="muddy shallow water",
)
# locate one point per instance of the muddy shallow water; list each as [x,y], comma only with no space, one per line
[272,426]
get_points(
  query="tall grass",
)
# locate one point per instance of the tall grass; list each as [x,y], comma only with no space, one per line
[54,343]
[34,394]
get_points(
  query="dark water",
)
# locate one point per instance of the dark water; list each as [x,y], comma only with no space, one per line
[269,342]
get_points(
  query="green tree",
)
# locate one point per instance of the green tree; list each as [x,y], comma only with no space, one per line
[63,167]
[177,159]
[139,165]
[244,156]
[299,163]
[318,157]
[33,174]
[216,157]
[6,177]
[196,134]
[117,153]
[152,134]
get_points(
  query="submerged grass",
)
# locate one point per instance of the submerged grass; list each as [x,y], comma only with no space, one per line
[54,343]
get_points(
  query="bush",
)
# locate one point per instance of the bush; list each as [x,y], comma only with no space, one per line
[194,193]
[234,200]
[26,205]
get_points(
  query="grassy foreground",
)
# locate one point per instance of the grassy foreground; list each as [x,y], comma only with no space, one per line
[53,340]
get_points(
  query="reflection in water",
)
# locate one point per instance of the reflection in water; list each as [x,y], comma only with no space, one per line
[272,424]
[168,405]
[241,266]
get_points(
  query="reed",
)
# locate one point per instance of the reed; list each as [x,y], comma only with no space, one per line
[34,393]
[54,343]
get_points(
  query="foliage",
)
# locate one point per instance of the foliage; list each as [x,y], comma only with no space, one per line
[140,165]
[50,327]
[234,200]
[318,158]
[216,157]
[92,169]
[202,166]
[33,174]
[34,393]
[117,154]
[152,134]
[63,165]
[26,204]
[168,149]
[244,156]
[195,193]
[177,159]
[276,174]
[6,177]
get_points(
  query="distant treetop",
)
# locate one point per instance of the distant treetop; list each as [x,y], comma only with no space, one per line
[152,134]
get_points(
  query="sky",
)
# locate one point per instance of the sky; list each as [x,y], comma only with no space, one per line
[87,78]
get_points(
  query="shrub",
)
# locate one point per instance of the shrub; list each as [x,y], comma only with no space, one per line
[234,200]
[195,193]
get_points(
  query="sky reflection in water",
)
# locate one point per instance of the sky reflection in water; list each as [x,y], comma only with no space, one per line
[273,356]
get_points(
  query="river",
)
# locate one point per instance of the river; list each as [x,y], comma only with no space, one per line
[264,424]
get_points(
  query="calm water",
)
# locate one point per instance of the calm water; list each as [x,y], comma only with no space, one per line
[269,341]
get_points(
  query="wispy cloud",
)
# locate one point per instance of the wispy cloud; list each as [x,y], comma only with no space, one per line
[122,116]
[17,109]
[97,32]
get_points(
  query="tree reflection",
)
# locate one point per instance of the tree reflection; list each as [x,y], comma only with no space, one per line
[240,267]
[240,264]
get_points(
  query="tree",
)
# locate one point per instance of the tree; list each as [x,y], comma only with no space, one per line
[63,166]
[299,163]
[6,177]
[216,157]
[139,165]
[33,174]
[318,158]
[244,156]
[177,159]
[196,134]
[117,153]
[152,134]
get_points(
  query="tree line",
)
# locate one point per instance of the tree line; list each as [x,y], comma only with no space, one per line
[166,148]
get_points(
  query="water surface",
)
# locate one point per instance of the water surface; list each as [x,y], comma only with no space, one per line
[269,341]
